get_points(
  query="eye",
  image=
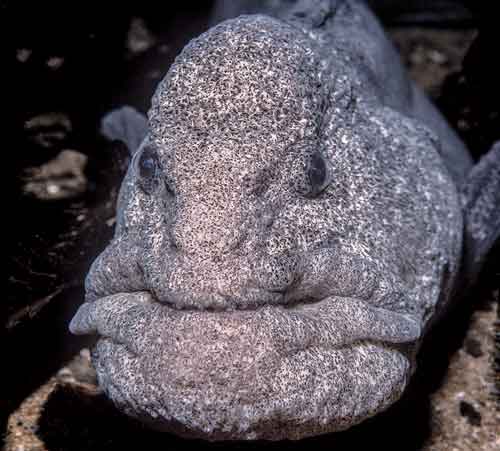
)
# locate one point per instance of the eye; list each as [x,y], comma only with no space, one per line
[317,175]
[317,172]
[147,168]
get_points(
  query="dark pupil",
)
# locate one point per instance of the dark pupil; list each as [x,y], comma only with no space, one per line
[317,171]
[148,170]
[147,164]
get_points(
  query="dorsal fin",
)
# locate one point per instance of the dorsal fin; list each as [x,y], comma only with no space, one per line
[480,194]
[125,124]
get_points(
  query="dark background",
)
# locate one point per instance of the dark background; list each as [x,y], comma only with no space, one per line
[63,65]
[78,60]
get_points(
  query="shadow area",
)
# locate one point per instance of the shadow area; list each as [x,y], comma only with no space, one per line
[65,66]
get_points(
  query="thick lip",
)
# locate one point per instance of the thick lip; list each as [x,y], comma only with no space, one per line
[334,322]
[193,367]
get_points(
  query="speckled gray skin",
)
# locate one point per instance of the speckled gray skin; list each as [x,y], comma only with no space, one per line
[287,229]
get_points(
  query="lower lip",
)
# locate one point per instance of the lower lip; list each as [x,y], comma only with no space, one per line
[333,322]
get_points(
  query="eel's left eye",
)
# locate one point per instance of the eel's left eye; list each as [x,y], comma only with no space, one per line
[147,168]
[317,174]
[313,174]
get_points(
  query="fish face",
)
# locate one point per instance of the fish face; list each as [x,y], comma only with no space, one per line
[281,244]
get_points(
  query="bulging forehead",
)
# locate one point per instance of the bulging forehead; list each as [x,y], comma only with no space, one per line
[252,80]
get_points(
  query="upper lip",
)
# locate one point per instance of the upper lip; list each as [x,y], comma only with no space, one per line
[334,322]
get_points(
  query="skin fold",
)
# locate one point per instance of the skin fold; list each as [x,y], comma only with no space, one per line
[293,218]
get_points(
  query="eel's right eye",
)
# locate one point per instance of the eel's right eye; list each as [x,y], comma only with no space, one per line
[147,168]
[317,173]
[314,176]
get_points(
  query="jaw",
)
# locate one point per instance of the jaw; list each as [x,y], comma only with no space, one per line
[271,373]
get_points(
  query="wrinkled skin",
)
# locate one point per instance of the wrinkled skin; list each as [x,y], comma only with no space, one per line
[285,232]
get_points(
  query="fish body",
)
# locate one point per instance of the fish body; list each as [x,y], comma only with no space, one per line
[295,216]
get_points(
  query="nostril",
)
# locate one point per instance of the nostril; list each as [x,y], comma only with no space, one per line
[277,274]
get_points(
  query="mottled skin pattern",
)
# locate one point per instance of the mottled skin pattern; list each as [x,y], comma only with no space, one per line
[286,230]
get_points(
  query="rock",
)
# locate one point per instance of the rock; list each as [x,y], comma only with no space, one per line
[139,38]
[464,409]
[470,412]
[48,129]
[60,178]
[473,347]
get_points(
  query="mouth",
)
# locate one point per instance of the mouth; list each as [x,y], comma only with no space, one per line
[334,322]
[311,368]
